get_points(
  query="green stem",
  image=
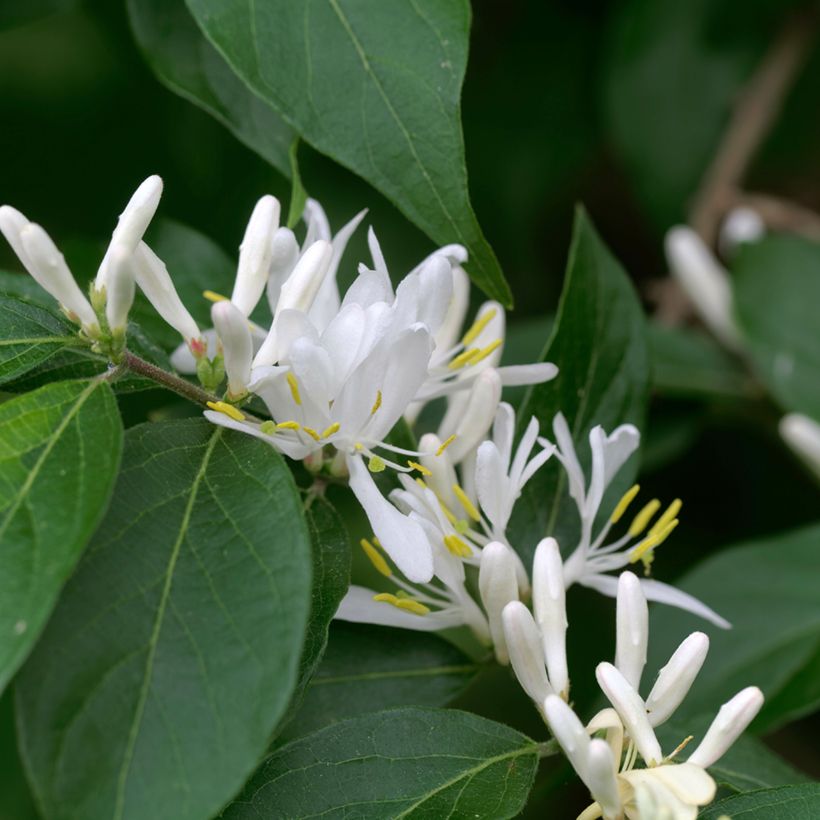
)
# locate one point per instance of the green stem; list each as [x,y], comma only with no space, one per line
[548,748]
[179,386]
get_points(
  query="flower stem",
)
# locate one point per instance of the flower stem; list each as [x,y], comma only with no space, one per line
[548,748]
[179,386]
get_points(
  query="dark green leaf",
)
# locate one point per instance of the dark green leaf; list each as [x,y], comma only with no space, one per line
[17,12]
[377,88]
[374,667]
[599,345]
[768,591]
[60,449]
[16,801]
[784,803]
[777,290]
[176,645]
[189,65]
[403,763]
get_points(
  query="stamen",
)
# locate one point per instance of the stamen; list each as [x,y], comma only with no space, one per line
[463,358]
[407,604]
[420,467]
[213,296]
[640,521]
[448,513]
[457,546]
[477,326]
[651,541]
[465,502]
[376,464]
[625,501]
[485,351]
[311,432]
[329,431]
[422,483]
[681,746]
[288,425]
[294,388]
[375,557]
[268,428]
[376,404]
[376,541]
[445,444]
[671,512]
[358,446]
[228,409]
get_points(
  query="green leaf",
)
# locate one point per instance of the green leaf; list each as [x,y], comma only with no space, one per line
[29,335]
[377,88]
[190,66]
[60,449]
[16,801]
[599,344]
[17,12]
[777,290]
[175,648]
[784,803]
[402,763]
[298,194]
[366,668]
[768,591]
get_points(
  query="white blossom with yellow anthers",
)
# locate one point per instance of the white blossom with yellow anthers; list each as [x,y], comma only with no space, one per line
[594,555]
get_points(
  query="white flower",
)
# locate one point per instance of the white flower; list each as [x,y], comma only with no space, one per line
[255,253]
[232,328]
[802,434]
[593,556]
[119,289]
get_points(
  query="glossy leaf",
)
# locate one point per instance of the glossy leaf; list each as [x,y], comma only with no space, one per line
[400,763]
[59,453]
[784,803]
[175,649]
[366,668]
[377,88]
[599,345]
[189,65]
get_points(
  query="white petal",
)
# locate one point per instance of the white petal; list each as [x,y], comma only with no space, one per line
[498,586]
[447,333]
[548,598]
[667,594]
[676,678]
[491,485]
[255,254]
[478,415]
[119,292]
[300,288]
[569,459]
[601,774]
[358,606]
[525,651]
[504,432]
[290,447]
[632,629]
[570,734]
[802,434]
[232,327]
[284,254]
[524,374]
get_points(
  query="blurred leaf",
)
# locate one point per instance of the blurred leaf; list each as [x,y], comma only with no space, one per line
[784,803]
[777,291]
[17,12]
[768,591]
[366,668]
[29,335]
[689,363]
[599,344]
[16,800]
[60,450]
[190,66]
[375,87]
[801,695]
[176,645]
[399,763]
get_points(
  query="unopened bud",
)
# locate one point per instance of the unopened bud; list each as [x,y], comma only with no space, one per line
[255,254]
[498,586]
[232,327]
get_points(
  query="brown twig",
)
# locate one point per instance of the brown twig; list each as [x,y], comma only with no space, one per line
[781,214]
[180,386]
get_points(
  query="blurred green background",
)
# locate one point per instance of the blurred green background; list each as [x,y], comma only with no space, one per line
[616,105]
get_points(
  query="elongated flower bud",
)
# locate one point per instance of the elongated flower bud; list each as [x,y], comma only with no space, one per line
[232,327]
[802,434]
[602,782]
[498,586]
[255,254]
[525,651]
[632,629]
[570,734]
[548,599]
[119,292]
[631,710]
[49,269]
[478,415]
[284,256]
[155,282]
[676,678]
[732,719]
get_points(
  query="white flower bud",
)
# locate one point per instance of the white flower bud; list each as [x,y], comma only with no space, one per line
[284,256]
[631,710]
[525,651]
[570,734]
[255,255]
[232,327]
[119,292]
[676,678]
[48,267]
[155,282]
[742,224]
[601,778]
[632,629]
[548,599]
[802,434]
[732,719]
[478,415]
[498,586]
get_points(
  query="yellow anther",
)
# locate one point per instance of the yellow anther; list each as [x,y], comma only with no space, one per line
[228,409]
[376,541]
[408,604]
[445,444]
[311,432]
[640,521]
[671,512]
[447,513]
[329,431]
[651,541]
[268,428]
[376,404]
[294,387]
[485,351]
[465,502]
[420,467]
[358,446]
[212,296]
[376,464]
[457,546]
[288,425]
[461,526]
[463,358]
[375,557]
[477,326]
[422,483]
[622,505]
